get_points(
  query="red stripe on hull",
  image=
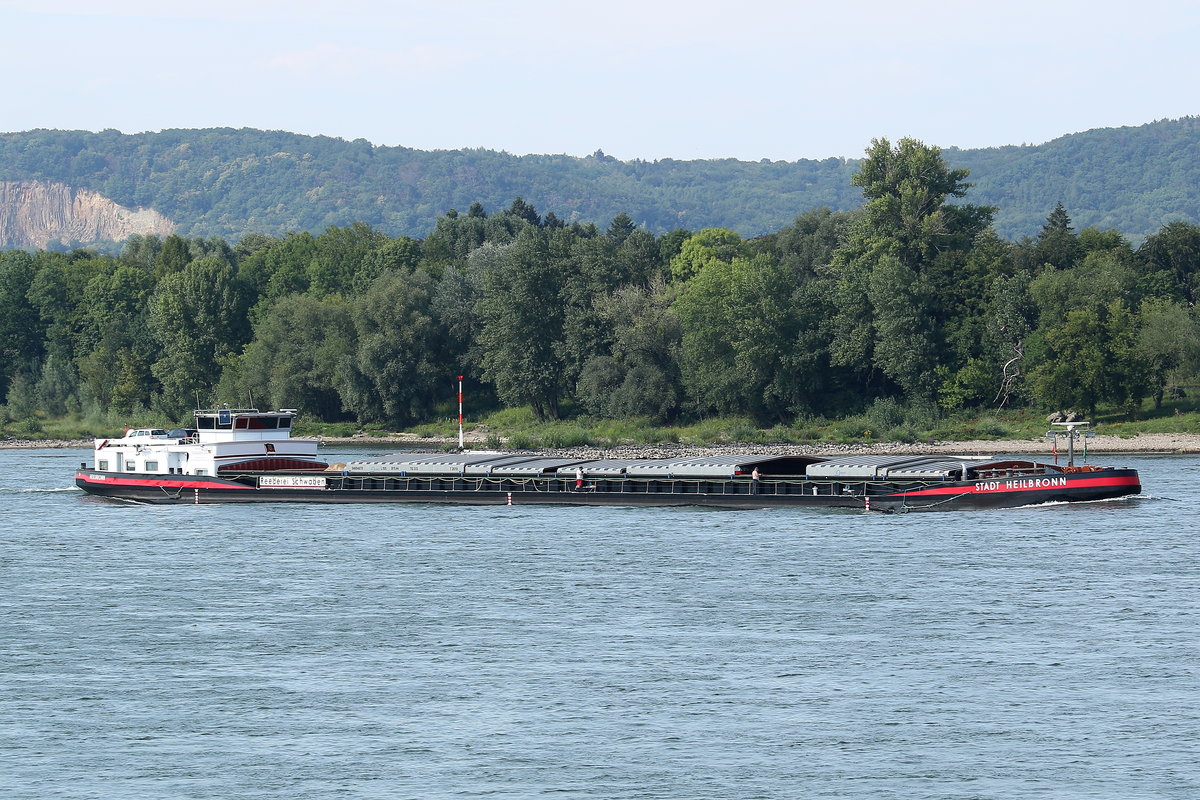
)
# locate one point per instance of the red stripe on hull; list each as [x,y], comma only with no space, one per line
[166,483]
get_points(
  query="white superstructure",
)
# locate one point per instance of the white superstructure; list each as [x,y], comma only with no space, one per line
[223,440]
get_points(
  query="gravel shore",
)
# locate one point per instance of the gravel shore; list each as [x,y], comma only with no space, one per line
[1146,443]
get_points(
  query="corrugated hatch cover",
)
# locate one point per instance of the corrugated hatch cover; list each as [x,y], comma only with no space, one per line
[533,465]
[886,467]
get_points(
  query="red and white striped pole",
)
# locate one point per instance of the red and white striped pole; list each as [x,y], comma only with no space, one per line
[460,421]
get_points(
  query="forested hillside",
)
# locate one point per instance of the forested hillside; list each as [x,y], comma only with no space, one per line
[227,183]
[909,304]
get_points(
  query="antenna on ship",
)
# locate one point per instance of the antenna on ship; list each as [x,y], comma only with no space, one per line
[1070,431]
[460,417]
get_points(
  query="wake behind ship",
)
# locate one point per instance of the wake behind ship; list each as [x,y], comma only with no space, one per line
[247,455]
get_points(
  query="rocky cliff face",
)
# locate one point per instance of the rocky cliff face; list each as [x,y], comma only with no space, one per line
[34,214]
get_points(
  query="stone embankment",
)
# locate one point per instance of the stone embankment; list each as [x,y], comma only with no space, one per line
[1146,443]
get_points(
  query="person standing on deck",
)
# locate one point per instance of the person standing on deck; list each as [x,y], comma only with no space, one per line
[754,481]
[579,479]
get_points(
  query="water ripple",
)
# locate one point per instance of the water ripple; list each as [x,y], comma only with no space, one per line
[308,651]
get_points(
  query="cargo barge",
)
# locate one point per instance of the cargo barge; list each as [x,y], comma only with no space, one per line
[247,455]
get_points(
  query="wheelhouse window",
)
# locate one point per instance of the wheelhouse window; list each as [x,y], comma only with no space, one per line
[151,466]
[131,466]
[256,423]
[102,465]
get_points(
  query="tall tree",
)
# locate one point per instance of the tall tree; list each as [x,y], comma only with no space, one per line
[198,318]
[522,324]
[896,322]
[740,330]
[342,254]
[20,328]
[640,378]
[118,351]
[1057,244]
[173,256]
[298,358]
[1168,339]
[1175,249]
[1092,356]
[400,360]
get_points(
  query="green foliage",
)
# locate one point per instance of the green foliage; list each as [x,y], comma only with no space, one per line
[398,368]
[299,358]
[904,275]
[198,318]
[1093,357]
[1168,339]
[522,320]
[234,183]
[864,317]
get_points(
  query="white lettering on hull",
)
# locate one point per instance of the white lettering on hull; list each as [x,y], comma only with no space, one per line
[1018,484]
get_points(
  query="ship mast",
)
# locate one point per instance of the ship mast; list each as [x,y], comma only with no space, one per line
[1070,431]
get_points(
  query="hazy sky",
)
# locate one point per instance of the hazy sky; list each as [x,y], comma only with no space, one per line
[748,80]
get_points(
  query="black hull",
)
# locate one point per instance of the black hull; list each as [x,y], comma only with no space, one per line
[732,494]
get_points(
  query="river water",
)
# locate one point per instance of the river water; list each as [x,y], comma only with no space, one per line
[407,651]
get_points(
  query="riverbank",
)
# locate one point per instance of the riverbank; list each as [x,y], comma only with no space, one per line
[1145,444]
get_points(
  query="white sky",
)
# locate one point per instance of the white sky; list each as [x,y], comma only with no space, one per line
[703,79]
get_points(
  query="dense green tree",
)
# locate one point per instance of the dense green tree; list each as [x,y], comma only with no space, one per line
[522,210]
[808,243]
[1175,249]
[141,252]
[740,328]
[1010,319]
[56,387]
[1168,339]
[1098,279]
[639,375]
[397,255]
[399,362]
[903,306]
[706,247]
[522,322]
[173,256]
[114,364]
[1091,357]
[298,358]
[341,255]
[896,322]
[906,189]
[57,294]
[456,298]
[620,228]
[198,319]
[1057,244]
[20,323]
[253,243]
[280,269]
